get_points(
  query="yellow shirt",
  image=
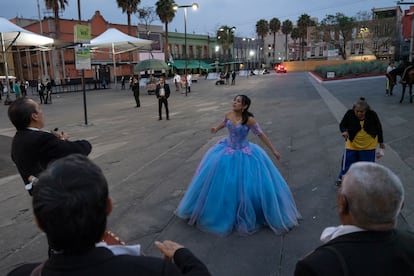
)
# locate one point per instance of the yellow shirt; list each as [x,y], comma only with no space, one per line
[362,140]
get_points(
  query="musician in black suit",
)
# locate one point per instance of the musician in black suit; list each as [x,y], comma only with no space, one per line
[162,91]
[71,203]
[367,242]
[33,148]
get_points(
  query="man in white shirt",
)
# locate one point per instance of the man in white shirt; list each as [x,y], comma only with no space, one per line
[177,81]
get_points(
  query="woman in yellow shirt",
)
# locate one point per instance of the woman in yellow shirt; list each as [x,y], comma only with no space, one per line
[362,131]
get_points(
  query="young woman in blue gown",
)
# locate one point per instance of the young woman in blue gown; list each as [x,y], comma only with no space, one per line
[236,187]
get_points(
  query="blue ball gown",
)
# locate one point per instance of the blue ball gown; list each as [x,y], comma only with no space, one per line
[237,188]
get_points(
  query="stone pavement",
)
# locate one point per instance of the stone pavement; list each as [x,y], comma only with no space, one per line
[149,164]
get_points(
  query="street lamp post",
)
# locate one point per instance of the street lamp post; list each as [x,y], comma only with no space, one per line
[194,6]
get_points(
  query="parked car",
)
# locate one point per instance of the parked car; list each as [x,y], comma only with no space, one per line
[280,68]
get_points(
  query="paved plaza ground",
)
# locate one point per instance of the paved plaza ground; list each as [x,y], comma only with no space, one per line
[149,163]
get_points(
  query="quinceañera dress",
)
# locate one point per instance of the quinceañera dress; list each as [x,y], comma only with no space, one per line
[238,188]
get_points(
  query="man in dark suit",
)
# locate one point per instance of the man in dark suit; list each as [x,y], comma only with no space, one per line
[162,91]
[33,148]
[71,203]
[367,243]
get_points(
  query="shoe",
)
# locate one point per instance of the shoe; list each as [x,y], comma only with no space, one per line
[159,119]
[168,118]
[338,183]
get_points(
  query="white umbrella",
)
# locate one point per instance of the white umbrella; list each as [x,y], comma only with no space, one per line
[119,43]
[13,35]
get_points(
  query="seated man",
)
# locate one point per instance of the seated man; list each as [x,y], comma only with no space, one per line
[367,242]
[71,205]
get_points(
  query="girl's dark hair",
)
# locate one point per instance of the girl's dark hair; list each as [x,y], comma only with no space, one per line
[245,113]
[361,102]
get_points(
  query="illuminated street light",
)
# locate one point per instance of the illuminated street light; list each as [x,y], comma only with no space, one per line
[194,6]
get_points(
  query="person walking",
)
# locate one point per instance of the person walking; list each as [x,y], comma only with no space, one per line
[162,92]
[135,90]
[189,82]
[388,79]
[362,131]
[236,186]
[41,91]
[177,82]
[123,83]
[16,89]
[48,98]
[367,241]
[233,77]
[23,90]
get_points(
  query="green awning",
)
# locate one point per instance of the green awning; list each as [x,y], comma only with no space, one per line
[191,64]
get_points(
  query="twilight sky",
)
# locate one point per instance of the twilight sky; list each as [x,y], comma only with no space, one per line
[212,14]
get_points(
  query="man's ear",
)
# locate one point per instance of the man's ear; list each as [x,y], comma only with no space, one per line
[108,206]
[35,116]
[342,202]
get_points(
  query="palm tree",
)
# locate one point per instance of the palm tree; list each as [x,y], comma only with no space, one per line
[295,34]
[225,37]
[303,23]
[129,7]
[274,26]
[56,5]
[262,29]
[287,27]
[166,14]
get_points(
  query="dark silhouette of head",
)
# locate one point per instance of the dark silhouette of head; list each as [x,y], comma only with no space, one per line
[71,204]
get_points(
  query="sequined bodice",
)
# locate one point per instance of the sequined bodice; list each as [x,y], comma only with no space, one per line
[238,133]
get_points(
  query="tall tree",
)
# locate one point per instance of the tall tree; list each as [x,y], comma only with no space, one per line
[287,27]
[338,31]
[303,23]
[295,35]
[129,7]
[274,26]
[166,14]
[56,6]
[147,16]
[225,37]
[262,29]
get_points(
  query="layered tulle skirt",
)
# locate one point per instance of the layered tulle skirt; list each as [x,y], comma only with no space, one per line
[238,190]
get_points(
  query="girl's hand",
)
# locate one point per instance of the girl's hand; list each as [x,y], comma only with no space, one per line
[277,155]
[213,130]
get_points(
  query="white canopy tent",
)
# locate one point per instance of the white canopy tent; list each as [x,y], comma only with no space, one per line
[13,35]
[118,42]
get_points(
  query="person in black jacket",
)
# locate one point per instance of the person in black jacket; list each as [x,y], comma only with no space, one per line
[135,90]
[33,148]
[367,241]
[71,203]
[162,91]
[362,131]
